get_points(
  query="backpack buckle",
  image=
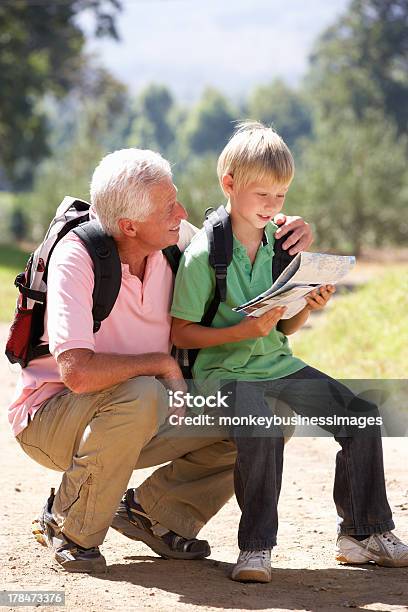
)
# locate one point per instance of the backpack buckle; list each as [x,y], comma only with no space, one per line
[220,271]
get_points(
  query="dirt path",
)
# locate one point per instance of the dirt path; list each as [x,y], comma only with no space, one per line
[305,575]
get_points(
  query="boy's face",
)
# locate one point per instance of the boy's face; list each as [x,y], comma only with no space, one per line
[258,202]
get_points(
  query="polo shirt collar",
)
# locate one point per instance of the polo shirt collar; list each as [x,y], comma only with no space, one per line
[268,238]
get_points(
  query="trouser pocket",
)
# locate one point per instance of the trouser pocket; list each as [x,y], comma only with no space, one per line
[78,502]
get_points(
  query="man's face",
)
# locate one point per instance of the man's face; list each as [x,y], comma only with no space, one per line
[258,202]
[162,227]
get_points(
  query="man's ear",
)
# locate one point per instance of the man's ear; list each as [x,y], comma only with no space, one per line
[128,227]
[228,183]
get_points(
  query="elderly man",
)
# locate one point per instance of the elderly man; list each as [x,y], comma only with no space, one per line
[93,408]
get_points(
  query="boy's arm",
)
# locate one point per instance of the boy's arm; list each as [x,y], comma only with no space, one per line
[193,291]
[188,334]
[316,300]
[289,326]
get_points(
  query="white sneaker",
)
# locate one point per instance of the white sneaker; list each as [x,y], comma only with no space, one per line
[253,566]
[382,548]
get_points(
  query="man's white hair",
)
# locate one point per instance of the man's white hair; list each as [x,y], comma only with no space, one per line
[121,183]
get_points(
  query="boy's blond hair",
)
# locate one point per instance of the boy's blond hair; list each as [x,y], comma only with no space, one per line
[256,153]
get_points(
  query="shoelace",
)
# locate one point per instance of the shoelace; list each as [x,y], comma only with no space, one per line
[254,555]
[392,539]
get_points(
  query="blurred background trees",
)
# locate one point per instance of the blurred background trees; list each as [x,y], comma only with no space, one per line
[41,54]
[347,122]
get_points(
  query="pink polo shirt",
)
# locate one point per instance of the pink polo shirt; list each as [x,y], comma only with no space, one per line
[139,322]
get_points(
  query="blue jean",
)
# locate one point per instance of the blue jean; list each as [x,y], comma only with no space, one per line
[359,486]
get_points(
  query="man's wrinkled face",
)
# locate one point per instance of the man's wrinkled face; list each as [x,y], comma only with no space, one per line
[162,227]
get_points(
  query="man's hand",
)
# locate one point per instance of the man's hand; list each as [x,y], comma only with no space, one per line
[259,327]
[300,239]
[317,299]
[172,378]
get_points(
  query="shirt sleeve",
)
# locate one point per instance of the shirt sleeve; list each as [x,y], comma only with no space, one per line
[69,320]
[194,287]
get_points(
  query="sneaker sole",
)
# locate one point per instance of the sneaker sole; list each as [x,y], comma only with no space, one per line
[137,534]
[95,567]
[98,566]
[381,561]
[251,576]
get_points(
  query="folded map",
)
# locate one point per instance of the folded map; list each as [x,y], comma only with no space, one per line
[307,271]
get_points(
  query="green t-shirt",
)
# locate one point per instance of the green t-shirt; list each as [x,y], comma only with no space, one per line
[264,358]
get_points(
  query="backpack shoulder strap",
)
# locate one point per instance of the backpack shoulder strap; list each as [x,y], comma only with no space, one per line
[281,258]
[107,268]
[219,235]
[173,255]
[218,228]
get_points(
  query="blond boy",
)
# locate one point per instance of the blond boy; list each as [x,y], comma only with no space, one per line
[253,359]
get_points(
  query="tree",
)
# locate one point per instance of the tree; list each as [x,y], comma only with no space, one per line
[18,224]
[352,184]
[41,48]
[361,62]
[278,105]
[87,125]
[198,187]
[152,127]
[209,124]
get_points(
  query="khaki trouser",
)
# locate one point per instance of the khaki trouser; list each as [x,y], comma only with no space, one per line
[98,439]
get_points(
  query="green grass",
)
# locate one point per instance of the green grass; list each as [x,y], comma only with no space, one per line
[12,261]
[364,334]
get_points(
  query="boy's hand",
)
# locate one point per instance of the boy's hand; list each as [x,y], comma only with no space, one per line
[259,327]
[300,239]
[318,298]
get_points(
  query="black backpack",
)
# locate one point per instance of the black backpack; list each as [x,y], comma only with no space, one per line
[217,225]
[23,344]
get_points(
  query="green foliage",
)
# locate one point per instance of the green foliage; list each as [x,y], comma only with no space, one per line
[353,184]
[286,110]
[346,124]
[12,261]
[362,335]
[40,53]
[209,124]
[6,209]
[18,225]
[198,187]
[360,62]
[94,124]
[14,221]
[152,127]
[67,172]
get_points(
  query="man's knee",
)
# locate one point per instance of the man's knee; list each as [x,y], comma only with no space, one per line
[219,453]
[140,400]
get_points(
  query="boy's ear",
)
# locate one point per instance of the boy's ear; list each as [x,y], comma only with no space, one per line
[228,183]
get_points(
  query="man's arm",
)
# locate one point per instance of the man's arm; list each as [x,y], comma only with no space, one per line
[302,236]
[70,330]
[84,371]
